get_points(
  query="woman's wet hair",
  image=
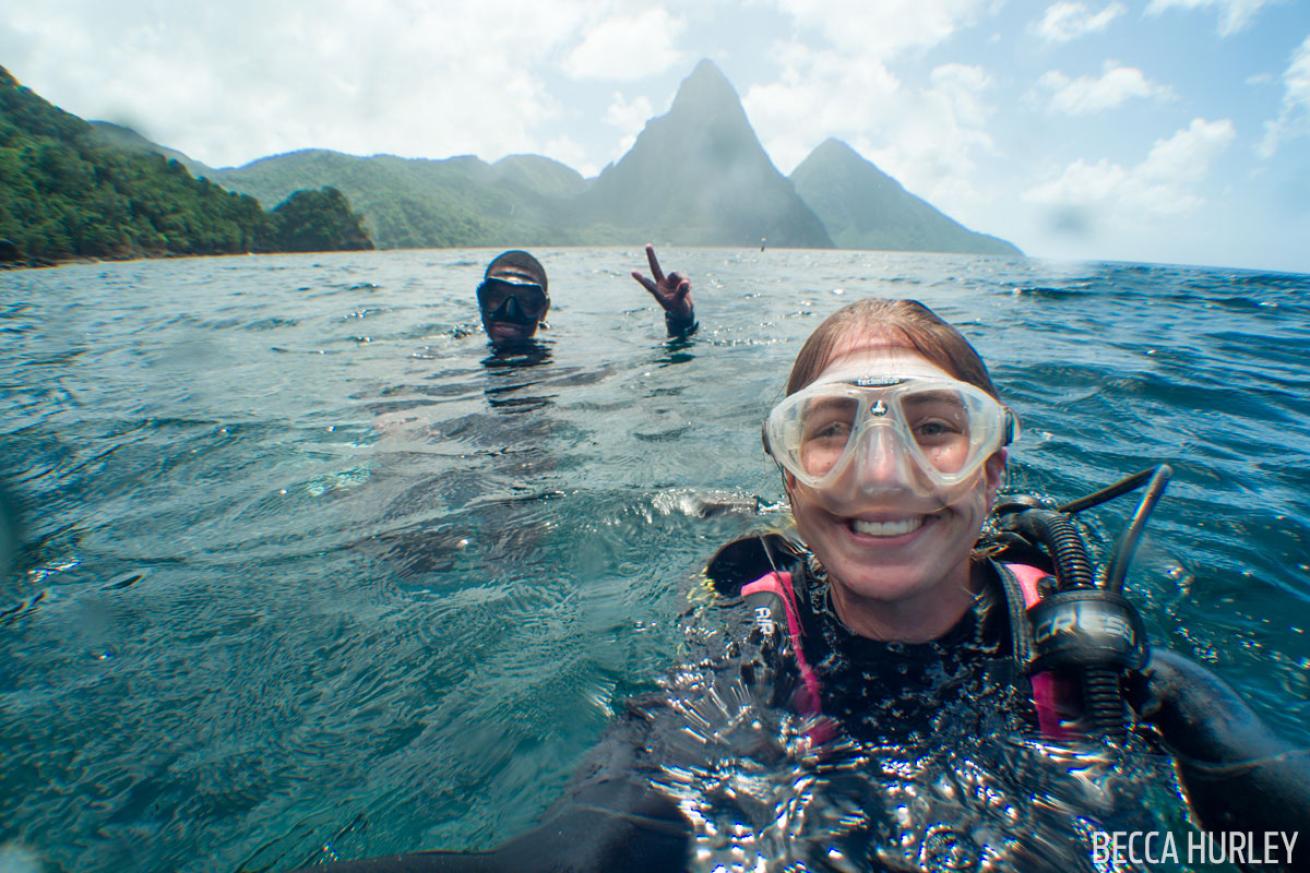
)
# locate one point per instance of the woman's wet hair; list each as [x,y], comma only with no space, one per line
[902,323]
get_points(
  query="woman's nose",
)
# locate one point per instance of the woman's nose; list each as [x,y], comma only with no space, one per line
[881,460]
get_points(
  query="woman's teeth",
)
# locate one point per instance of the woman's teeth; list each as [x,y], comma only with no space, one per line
[897,528]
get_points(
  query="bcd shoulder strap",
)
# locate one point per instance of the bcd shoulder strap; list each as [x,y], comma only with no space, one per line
[743,561]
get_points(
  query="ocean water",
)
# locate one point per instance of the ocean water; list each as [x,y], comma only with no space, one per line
[304,570]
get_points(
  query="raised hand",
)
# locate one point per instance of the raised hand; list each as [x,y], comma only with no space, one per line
[672,291]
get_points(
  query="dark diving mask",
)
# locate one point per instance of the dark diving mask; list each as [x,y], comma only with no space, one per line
[515,302]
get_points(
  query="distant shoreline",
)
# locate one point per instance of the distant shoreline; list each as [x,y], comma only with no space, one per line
[44,263]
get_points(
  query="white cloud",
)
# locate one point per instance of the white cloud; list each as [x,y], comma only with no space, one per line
[884,28]
[627,47]
[960,84]
[629,116]
[1164,184]
[339,74]
[1234,15]
[934,149]
[842,84]
[1088,94]
[1067,21]
[820,93]
[1081,184]
[1294,118]
[1186,156]
[568,151]
[929,138]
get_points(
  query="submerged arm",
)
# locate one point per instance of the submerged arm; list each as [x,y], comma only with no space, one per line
[618,813]
[612,819]
[1238,774]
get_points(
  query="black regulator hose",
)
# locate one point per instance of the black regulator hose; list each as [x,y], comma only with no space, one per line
[1101,691]
[1063,638]
[1082,628]
[1068,552]
[1123,555]
[1118,489]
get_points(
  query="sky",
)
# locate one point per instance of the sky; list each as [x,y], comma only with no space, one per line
[1162,131]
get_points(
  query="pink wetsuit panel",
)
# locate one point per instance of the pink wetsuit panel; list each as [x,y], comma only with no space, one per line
[1045,687]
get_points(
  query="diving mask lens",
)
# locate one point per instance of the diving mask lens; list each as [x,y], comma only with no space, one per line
[926,435]
[505,300]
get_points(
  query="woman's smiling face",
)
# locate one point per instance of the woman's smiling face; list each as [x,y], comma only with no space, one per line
[896,548]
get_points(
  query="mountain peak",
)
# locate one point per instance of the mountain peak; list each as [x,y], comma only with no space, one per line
[863,207]
[708,70]
[833,152]
[833,147]
[706,88]
[698,175]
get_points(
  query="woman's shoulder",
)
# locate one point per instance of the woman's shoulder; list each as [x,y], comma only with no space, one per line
[751,558]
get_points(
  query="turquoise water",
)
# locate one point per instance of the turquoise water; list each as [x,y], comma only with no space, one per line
[304,565]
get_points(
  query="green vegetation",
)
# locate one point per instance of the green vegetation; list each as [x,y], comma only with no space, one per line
[65,193]
[317,221]
[695,176]
[421,203]
[110,134]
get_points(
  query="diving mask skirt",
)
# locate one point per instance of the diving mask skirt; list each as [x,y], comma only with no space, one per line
[858,434]
[503,299]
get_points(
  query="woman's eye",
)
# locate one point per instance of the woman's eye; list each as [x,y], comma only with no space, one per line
[935,428]
[830,430]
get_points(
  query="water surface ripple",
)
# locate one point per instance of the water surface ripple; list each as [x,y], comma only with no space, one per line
[302,565]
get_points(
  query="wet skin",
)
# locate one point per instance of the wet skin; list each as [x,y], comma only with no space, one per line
[673,292]
[899,563]
[504,333]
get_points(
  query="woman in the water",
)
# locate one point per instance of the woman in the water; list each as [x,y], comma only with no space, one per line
[829,723]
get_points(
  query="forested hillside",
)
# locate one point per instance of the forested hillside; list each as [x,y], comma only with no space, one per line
[418,203]
[65,193]
[697,175]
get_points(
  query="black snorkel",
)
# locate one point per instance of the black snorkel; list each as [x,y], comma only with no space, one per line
[1083,627]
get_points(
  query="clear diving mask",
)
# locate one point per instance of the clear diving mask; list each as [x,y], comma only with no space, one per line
[873,436]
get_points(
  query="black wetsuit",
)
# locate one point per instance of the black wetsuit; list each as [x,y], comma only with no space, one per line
[918,761]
